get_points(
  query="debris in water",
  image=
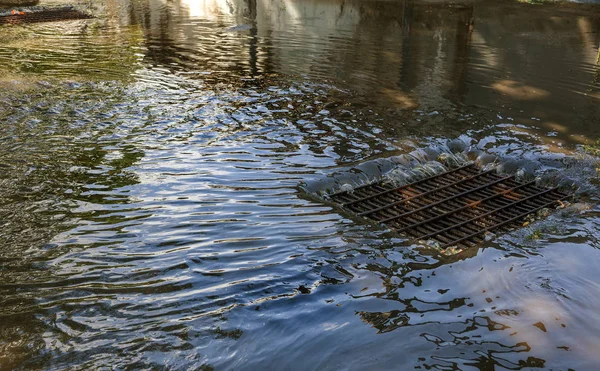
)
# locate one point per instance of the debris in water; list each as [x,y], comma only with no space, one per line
[452,250]
[42,14]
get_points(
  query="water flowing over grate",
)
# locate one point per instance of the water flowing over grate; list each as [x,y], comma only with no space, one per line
[455,208]
[43,16]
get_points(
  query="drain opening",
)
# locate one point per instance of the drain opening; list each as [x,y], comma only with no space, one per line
[49,15]
[454,208]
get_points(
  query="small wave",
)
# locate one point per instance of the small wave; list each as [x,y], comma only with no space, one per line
[574,173]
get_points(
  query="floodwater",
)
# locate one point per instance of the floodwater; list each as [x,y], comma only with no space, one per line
[151,213]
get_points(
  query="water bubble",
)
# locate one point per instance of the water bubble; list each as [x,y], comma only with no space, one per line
[485,159]
[457,146]
[453,159]
[507,167]
[348,188]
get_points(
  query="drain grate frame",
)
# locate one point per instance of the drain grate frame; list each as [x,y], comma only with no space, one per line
[50,15]
[454,208]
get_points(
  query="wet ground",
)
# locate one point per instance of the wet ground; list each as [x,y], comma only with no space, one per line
[150,209]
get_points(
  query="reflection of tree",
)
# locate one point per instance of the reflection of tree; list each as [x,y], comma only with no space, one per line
[204,44]
[80,50]
[385,321]
[536,49]
[386,47]
[435,49]
[596,80]
[53,159]
[398,54]
[389,42]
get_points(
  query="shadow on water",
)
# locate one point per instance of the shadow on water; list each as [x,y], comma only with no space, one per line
[151,159]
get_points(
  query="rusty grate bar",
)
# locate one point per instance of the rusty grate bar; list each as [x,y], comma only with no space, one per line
[455,208]
[421,195]
[44,16]
[398,188]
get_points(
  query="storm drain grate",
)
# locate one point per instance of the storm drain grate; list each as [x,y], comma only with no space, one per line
[455,208]
[43,16]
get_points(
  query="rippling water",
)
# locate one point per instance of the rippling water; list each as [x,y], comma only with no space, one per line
[151,205]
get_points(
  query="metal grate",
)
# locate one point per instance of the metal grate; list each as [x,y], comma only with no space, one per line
[455,208]
[43,16]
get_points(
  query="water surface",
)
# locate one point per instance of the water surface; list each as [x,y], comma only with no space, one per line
[150,209]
